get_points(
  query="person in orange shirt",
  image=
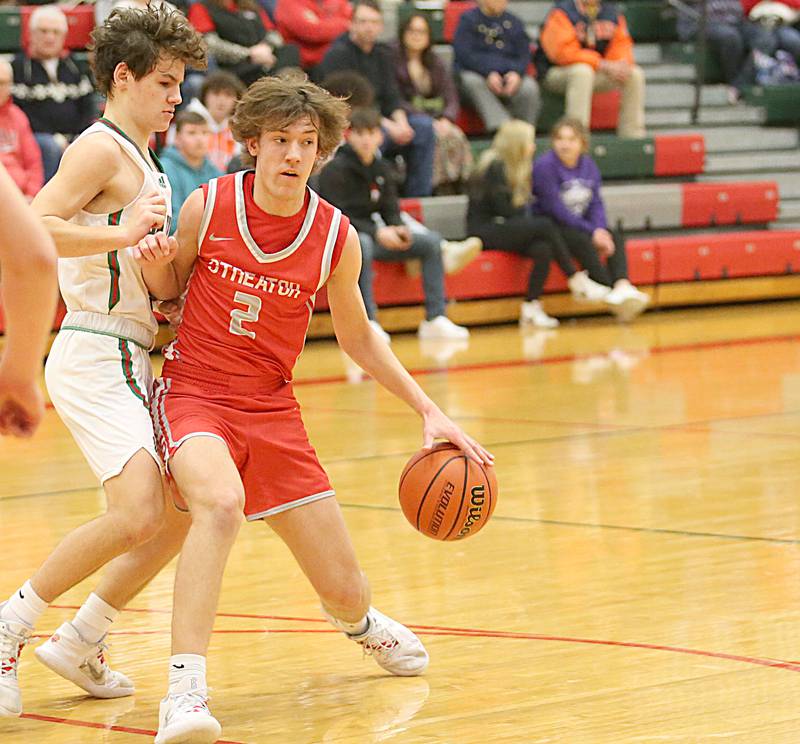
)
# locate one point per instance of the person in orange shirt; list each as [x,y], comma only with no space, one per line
[584,46]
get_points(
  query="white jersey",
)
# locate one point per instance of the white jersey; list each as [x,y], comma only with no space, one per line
[105,293]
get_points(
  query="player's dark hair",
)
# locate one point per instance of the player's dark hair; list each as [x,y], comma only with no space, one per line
[139,38]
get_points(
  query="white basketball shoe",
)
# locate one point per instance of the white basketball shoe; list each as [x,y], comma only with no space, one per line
[393,646]
[71,657]
[13,637]
[184,718]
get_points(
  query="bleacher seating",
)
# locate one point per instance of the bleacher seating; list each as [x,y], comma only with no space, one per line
[14,22]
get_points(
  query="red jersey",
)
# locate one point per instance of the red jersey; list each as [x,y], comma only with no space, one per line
[255,281]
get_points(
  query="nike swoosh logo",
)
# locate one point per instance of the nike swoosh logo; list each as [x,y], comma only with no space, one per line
[21,595]
[216,238]
[178,666]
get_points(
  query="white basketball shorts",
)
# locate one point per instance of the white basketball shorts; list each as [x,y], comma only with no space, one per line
[100,386]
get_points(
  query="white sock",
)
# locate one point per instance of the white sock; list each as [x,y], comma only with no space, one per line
[187,673]
[94,618]
[353,629]
[23,606]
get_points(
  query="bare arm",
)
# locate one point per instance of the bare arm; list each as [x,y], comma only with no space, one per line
[362,344]
[29,299]
[167,262]
[86,170]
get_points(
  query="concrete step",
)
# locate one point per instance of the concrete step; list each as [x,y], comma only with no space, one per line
[681,95]
[672,73]
[739,139]
[647,54]
[732,115]
[753,162]
[789,209]
[788,183]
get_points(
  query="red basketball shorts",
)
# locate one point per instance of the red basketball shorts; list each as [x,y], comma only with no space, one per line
[259,422]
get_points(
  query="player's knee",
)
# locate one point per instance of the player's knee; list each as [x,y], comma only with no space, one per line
[142,525]
[224,509]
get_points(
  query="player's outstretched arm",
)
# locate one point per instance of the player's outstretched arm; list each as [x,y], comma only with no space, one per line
[362,344]
[29,292]
[86,170]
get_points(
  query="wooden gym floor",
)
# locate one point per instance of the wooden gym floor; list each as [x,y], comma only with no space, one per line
[639,581]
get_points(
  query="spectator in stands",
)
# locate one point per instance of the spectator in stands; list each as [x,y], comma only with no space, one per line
[498,213]
[55,95]
[427,87]
[19,152]
[242,39]
[492,56]
[312,25]
[409,135]
[566,187]
[359,182]
[218,96]
[775,25]
[584,46]
[186,162]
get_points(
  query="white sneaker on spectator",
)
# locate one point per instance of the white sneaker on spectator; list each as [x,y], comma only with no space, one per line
[457,254]
[393,646]
[83,663]
[585,289]
[532,313]
[184,718]
[441,327]
[379,330]
[625,301]
[13,637]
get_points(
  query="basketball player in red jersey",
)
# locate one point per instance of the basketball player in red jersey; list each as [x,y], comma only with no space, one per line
[259,246]
[29,301]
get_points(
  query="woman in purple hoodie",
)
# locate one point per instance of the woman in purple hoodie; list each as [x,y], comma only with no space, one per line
[566,188]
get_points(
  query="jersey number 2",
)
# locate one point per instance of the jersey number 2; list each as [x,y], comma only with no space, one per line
[253,305]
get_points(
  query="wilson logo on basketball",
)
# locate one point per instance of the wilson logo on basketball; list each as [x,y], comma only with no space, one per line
[477,500]
[441,508]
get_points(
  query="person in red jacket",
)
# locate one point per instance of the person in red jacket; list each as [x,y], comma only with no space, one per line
[19,152]
[584,46]
[312,25]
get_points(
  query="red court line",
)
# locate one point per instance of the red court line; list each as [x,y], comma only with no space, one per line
[103,726]
[443,630]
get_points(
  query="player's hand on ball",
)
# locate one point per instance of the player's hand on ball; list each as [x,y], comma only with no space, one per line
[438,426]
[148,213]
[155,250]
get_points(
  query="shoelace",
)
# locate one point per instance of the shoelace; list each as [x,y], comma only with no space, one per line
[11,646]
[380,641]
[190,702]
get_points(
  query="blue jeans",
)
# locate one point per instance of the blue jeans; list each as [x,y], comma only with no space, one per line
[418,155]
[425,246]
[51,153]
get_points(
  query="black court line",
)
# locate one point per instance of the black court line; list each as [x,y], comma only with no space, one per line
[599,526]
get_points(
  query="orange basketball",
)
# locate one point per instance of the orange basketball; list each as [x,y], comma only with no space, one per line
[445,495]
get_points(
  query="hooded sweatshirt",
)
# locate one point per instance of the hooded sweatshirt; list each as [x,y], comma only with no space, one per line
[19,152]
[183,178]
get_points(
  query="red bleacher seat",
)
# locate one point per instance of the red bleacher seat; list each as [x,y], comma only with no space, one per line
[80,24]
[605,110]
[679,154]
[729,203]
[728,255]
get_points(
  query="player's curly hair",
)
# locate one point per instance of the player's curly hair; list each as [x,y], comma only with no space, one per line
[139,37]
[275,103]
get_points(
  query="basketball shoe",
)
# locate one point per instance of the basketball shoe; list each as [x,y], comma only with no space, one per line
[13,637]
[585,289]
[625,301]
[184,717]
[83,663]
[393,646]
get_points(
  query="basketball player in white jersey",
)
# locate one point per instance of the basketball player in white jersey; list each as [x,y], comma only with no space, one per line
[108,193]
[29,301]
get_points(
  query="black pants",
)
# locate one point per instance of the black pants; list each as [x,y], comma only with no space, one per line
[581,247]
[532,236]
